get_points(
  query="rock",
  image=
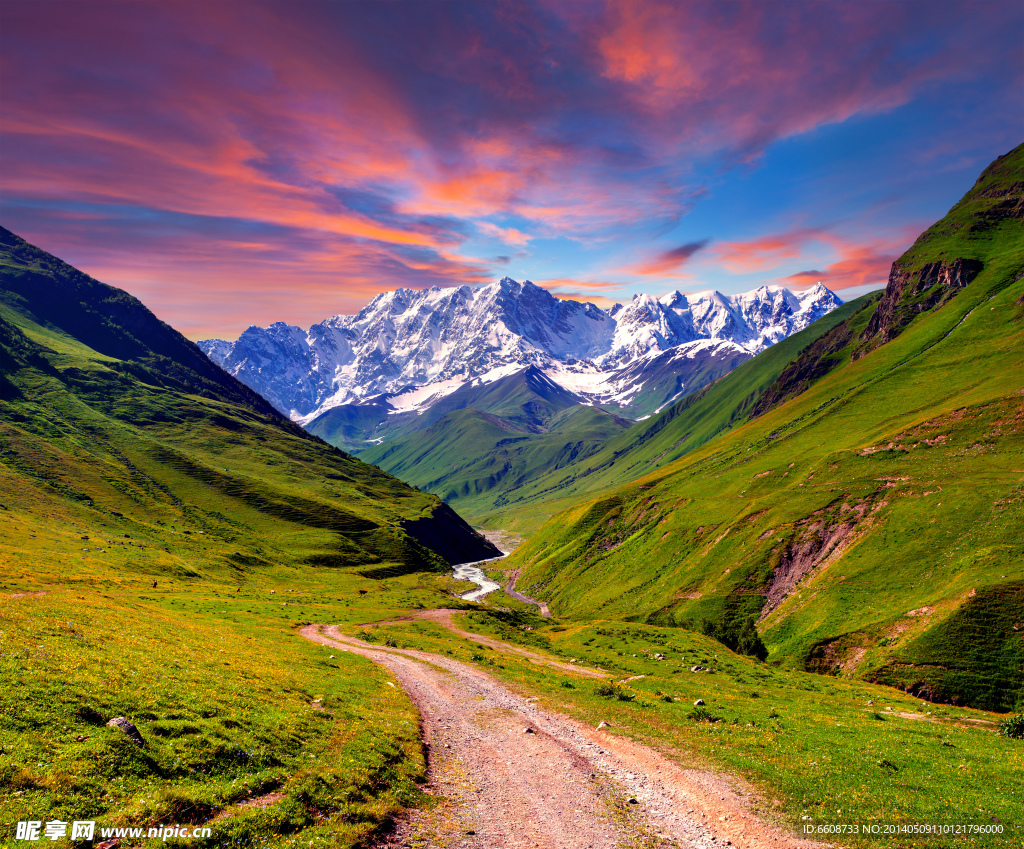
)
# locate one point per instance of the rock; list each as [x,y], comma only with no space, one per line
[603,724]
[698,702]
[129,730]
[905,297]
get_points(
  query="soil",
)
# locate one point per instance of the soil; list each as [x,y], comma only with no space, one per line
[509,774]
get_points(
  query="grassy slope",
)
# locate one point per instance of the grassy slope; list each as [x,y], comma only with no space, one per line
[471,458]
[152,432]
[156,514]
[916,448]
[526,400]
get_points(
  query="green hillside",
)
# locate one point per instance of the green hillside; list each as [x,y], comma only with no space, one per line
[473,459]
[526,400]
[871,525]
[112,416]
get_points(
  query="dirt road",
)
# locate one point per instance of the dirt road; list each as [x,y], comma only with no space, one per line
[443,616]
[513,775]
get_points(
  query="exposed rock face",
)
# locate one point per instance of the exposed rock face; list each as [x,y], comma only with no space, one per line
[799,560]
[1010,204]
[912,291]
[130,731]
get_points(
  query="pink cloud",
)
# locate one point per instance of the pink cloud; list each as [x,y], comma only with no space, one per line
[858,264]
[764,252]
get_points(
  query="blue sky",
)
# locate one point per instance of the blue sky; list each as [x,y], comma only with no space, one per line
[242,163]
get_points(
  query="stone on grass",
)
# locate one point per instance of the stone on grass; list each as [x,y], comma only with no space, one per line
[129,730]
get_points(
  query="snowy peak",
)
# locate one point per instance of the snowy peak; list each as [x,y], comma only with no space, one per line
[753,320]
[408,339]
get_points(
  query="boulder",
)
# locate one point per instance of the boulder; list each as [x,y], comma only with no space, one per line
[130,731]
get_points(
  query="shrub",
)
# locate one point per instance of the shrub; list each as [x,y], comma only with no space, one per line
[702,714]
[1012,727]
[742,638]
[613,691]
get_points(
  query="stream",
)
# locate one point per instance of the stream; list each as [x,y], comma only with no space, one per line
[473,572]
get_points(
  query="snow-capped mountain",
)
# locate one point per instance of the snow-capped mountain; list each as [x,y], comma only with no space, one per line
[414,347]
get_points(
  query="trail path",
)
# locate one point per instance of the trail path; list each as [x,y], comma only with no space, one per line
[443,617]
[562,785]
[510,588]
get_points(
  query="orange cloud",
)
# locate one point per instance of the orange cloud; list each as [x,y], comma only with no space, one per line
[556,283]
[763,253]
[509,235]
[858,265]
[666,263]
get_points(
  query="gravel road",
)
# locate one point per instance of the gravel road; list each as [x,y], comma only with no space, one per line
[511,774]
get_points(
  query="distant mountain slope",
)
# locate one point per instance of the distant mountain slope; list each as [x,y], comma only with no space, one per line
[676,431]
[115,422]
[473,459]
[871,523]
[409,349]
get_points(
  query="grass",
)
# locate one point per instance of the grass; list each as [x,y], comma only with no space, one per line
[820,750]
[165,531]
[232,703]
[472,458]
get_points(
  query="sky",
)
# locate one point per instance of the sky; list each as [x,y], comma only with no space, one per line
[238,163]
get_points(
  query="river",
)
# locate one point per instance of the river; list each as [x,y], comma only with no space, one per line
[473,572]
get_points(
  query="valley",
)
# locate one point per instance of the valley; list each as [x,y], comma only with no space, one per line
[797,587]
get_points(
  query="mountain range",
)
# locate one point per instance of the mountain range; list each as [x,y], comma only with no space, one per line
[848,502]
[406,350]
